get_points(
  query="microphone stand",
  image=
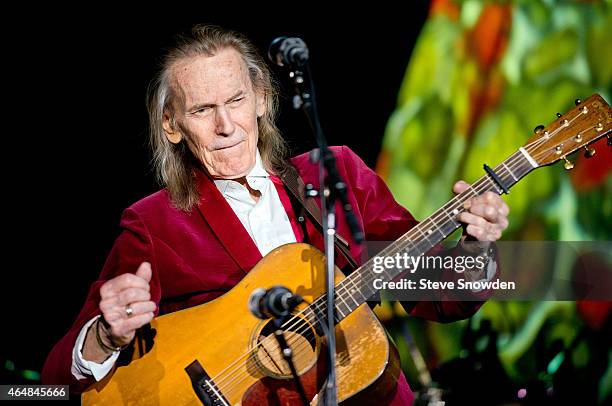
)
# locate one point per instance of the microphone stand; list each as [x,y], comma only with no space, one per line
[288,357]
[331,187]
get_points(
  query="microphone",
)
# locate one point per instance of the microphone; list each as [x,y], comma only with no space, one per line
[278,301]
[288,51]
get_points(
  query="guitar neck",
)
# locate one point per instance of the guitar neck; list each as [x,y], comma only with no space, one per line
[358,287]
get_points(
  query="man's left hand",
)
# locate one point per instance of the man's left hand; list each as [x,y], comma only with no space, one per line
[485,217]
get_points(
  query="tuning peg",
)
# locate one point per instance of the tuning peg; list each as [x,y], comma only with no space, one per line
[609,142]
[589,152]
[538,129]
[559,115]
[577,101]
[568,164]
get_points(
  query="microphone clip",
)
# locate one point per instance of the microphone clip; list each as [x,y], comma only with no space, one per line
[277,302]
[292,52]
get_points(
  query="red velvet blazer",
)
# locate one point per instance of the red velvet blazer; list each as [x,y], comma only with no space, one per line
[198,256]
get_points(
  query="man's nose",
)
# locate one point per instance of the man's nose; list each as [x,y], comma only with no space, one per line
[223,121]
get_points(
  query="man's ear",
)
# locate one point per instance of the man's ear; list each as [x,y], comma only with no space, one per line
[172,133]
[260,108]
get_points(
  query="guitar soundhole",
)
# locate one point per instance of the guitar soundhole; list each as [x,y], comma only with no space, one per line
[302,339]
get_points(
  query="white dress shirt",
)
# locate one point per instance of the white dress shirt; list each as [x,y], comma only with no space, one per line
[266,220]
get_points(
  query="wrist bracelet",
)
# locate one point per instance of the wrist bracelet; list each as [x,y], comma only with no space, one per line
[102,344]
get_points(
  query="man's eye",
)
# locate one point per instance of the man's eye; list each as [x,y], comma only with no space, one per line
[238,99]
[202,110]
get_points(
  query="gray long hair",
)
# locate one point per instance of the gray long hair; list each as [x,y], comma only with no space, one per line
[175,163]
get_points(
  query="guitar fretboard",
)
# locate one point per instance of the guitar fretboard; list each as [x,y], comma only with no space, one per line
[357,288]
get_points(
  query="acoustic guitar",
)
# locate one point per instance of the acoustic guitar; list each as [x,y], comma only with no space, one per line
[233,356]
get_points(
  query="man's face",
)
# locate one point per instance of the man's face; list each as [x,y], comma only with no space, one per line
[217,110]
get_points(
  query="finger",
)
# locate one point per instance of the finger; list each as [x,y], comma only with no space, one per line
[460,186]
[486,234]
[504,210]
[503,223]
[126,327]
[132,295]
[144,271]
[113,316]
[142,307]
[123,298]
[107,306]
[477,232]
[487,198]
[123,281]
[488,212]
[473,219]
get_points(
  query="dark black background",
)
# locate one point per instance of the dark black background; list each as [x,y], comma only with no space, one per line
[74,151]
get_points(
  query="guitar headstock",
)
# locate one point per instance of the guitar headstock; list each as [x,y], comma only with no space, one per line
[590,120]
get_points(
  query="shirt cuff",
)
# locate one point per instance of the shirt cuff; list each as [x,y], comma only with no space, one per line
[81,368]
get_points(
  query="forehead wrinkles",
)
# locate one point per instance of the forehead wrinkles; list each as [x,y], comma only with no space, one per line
[204,78]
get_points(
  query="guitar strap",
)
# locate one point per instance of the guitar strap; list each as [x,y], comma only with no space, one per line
[296,186]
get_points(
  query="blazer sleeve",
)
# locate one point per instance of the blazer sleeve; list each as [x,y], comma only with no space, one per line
[384,219]
[131,248]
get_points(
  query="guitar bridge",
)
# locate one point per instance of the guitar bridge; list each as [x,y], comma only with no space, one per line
[205,389]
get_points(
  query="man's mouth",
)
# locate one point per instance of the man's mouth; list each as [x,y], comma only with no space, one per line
[228,146]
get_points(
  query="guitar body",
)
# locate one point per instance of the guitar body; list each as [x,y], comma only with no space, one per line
[236,351]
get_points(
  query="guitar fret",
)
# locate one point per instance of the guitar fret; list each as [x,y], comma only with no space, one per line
[354,289]
[418,228]
[451,215]
[497,189]
[435,223]
[367,290]
[357,304]
[471,188]
[509,171]
[339,310]
[449,226]
[339,296]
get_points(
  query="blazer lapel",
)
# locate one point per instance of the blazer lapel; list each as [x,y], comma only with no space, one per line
[225,224]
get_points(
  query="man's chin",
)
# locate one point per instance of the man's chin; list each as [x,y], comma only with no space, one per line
[232,176]
[231,173]
[229,163]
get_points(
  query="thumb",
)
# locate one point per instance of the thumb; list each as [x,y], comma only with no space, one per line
[144,271]
[460,187]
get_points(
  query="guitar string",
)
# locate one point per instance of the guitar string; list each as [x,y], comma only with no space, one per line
[345,287]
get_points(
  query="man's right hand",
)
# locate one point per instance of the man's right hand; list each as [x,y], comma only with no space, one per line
[117,296]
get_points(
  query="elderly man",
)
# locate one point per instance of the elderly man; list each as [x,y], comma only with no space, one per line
[224,206]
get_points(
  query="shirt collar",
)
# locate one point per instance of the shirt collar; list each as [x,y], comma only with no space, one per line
[256,178]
